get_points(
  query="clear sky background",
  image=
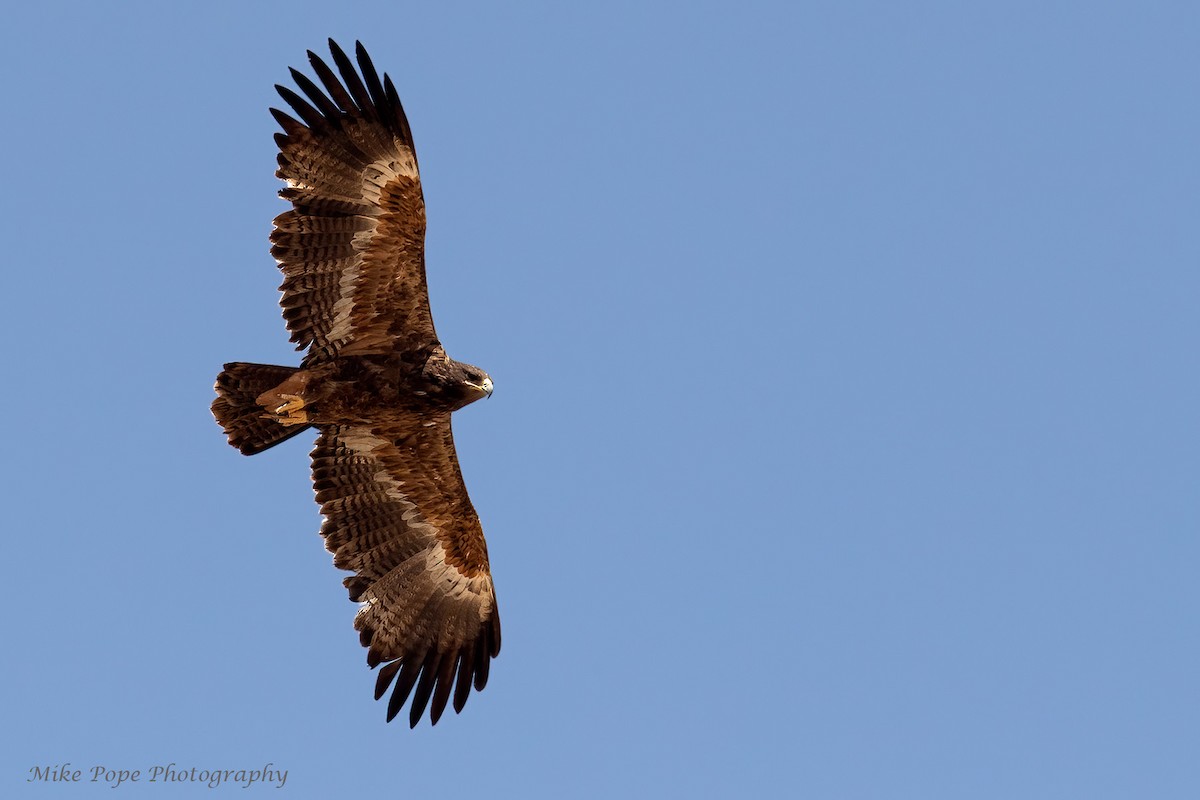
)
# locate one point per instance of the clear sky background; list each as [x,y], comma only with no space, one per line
[844,442]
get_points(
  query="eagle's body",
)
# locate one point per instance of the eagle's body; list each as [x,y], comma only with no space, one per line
[364,389]
[378,386]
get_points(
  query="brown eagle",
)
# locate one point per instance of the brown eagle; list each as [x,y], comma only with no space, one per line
[378,387]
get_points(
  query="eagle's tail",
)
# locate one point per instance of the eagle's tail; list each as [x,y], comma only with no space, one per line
[238,413]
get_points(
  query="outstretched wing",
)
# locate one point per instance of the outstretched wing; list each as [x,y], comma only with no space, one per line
[397,514]
[352,248]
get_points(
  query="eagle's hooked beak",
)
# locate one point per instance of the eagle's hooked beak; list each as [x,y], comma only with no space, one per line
[484,389]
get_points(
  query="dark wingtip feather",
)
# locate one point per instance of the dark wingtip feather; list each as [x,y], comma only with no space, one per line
[290,126]
[424,690]
[482,662]
[462,688]
[389,91]
[339,55]
[385,677]
[302,107]
[333,86]
[393,98]
[441,692]
[327,107]
[404,685]
[371,78]
[353,83]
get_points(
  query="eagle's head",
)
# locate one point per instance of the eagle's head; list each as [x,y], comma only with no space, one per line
[474,380]
[454,382]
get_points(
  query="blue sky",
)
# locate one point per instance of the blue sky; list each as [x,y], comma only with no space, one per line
[844,442]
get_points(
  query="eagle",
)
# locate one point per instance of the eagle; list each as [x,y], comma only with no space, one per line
[378,387]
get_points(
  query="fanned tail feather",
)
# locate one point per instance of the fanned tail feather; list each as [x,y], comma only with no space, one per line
[238,413]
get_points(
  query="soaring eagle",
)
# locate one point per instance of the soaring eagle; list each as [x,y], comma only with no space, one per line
[377,385]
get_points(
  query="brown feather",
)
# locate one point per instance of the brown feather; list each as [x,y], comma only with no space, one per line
[327,107]
[310,116]
[354,84]
[445,682]
[462,687]
[333,86]
[384,679]
[404,686]
[429,673]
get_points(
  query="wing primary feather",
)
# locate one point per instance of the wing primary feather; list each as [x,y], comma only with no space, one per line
[384,679]
[326,106]
[401,118]
[290,126]
[332,85]
[481,668]
[310,115]
[404,685]
[462,688]
[429,673]
[495,631]
[371,78]
[441,692]
[353,83]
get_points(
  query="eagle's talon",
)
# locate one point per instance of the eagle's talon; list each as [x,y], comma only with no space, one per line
[294,403]
[290,412]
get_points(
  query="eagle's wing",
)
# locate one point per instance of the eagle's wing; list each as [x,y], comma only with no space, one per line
[397,514]
[352,247]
